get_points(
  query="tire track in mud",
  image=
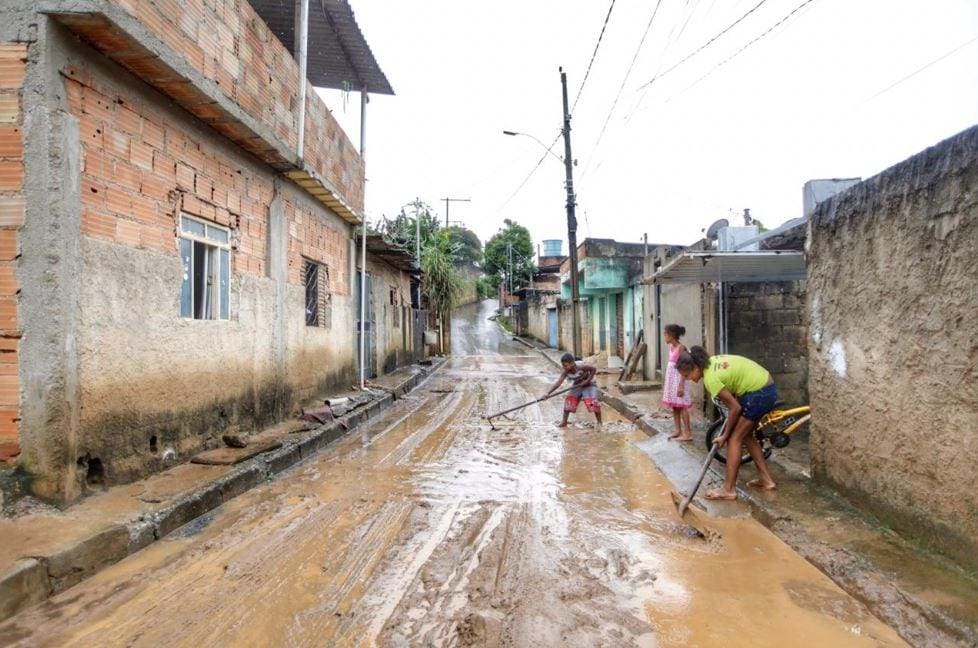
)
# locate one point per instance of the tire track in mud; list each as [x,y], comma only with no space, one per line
[263,557]
[493,581]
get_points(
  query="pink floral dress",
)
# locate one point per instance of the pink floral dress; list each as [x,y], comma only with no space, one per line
[670,397]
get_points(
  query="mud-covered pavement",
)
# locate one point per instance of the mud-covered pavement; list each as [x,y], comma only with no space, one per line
[427,528]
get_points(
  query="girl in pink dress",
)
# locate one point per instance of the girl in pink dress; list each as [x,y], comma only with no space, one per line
[675,391]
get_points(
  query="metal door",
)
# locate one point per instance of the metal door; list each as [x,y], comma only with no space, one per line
[552,327]
[369,326]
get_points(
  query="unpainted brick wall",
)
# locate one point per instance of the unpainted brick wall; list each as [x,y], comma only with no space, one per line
[13,61]
[140,167]
[228,43]
[310,236]
[766,323]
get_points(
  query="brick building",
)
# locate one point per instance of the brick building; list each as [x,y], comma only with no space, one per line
[170,183]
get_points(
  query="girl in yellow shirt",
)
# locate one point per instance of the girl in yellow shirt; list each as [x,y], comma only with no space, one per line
[747,390]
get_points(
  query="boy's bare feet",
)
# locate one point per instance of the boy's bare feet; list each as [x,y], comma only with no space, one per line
[761,484]
[674,435]
[562,424]
[720,494]
[682,439]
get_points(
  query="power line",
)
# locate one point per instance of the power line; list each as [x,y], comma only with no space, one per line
[593,55]
[921,69]
[622,86]
[704,45]
[671,41]
[749,43]
[530,174]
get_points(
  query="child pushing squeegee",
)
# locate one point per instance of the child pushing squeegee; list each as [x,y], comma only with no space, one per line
[519,407]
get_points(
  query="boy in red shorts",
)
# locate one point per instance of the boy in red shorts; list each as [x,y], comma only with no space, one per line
[582,377]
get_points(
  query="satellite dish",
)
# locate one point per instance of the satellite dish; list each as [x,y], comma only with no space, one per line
[714,230]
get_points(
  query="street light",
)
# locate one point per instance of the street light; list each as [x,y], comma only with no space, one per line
[537,140]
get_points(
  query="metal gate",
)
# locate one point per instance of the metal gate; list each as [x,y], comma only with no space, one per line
[370,355]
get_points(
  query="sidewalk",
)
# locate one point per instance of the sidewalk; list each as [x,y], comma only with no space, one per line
[46,550]
[925,598]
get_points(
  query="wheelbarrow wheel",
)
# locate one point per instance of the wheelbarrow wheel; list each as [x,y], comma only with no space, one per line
[715,429]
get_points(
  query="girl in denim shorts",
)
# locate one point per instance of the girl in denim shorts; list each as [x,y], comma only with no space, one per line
[747,390]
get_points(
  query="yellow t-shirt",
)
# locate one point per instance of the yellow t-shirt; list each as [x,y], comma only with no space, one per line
[735,373]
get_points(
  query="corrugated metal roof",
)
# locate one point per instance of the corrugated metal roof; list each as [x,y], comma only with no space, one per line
[339,56]
[715,267]
[396,256]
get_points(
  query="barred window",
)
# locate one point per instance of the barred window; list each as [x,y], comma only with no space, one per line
[318,296]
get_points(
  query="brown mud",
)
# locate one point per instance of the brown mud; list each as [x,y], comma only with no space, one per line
[427,528]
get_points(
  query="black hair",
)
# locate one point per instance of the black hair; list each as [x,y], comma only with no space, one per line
[675,330]
[695,357]
[567,357]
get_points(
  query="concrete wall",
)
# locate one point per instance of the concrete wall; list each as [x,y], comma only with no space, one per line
[767,322]
[679,303]
[566,326]
[391,296]
[108,370]
[893,350]
[470,274]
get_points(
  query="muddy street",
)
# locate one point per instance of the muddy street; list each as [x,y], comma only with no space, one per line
[426,528]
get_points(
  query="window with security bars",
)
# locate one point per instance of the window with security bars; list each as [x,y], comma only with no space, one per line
[318,297]
[205,250]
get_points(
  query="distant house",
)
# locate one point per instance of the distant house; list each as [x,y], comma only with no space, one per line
[609,278]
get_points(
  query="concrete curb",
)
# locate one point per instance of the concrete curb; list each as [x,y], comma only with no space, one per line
[34,579]
[918,622]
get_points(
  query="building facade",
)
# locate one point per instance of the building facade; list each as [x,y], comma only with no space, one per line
[167,201]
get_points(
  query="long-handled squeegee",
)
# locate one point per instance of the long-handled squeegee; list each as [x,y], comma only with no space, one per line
[519,407]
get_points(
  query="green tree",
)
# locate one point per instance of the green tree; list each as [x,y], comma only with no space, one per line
[496,258]
[487,287]
[441,283]
[468,247]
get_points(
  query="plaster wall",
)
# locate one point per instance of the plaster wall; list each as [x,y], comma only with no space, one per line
[537,322]
[893,345]
[679,303]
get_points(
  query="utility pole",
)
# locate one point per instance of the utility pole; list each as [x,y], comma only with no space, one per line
[571,222]
[509,252]
[451,200]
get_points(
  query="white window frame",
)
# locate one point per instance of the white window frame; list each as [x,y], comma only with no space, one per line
[218,303]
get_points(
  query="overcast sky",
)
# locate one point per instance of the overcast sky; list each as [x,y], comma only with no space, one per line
[814,98]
